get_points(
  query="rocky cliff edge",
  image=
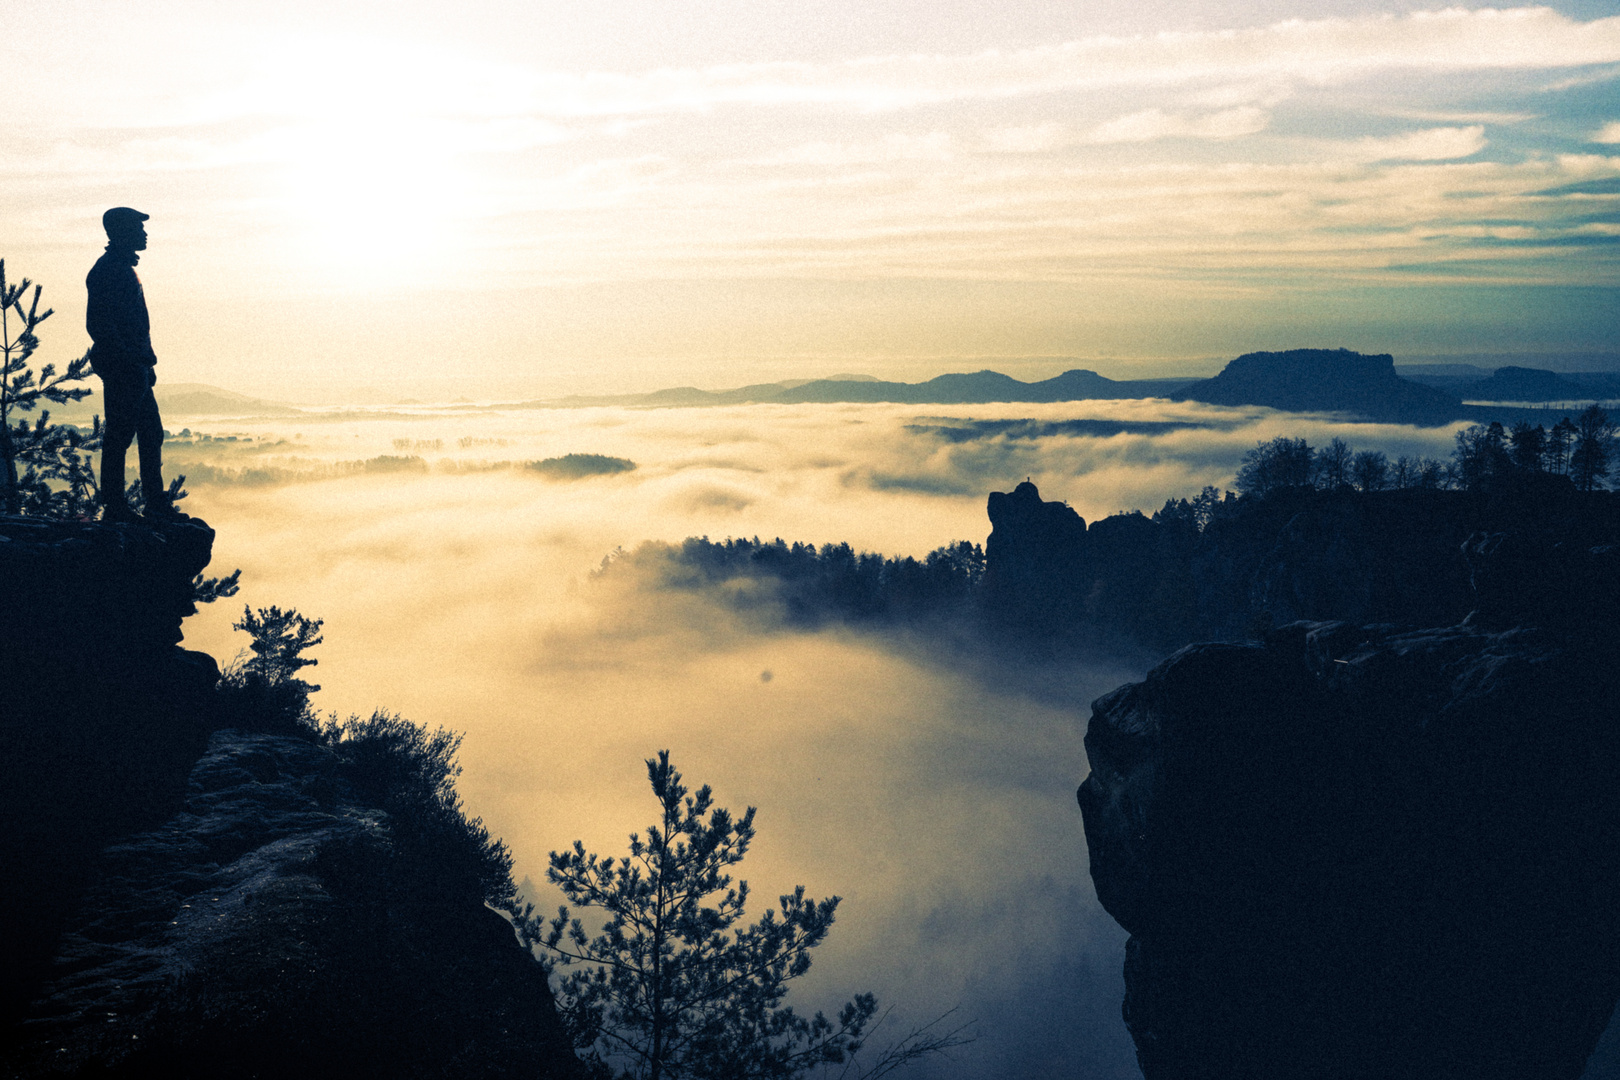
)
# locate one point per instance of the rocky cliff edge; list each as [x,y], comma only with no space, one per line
[185,899]
[1351,851]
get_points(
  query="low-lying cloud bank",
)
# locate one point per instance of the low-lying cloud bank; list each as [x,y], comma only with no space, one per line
[935,796]
[705,466]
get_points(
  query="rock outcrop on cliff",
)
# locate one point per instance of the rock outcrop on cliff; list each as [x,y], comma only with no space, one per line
[1035,557]
[188,898]
[1349,851]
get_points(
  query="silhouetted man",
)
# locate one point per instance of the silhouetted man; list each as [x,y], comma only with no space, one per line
[122,355]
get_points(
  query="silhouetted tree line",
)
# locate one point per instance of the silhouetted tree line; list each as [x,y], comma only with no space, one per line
[1328,533]
[1485,454]
[833,581]
[1195,514]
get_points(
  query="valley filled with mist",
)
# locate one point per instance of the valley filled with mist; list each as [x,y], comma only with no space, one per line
[929,785]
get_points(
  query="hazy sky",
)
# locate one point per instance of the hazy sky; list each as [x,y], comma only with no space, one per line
[574,196]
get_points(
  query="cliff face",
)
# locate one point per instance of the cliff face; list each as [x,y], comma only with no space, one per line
[1350,852]
[102,715]
[188,900]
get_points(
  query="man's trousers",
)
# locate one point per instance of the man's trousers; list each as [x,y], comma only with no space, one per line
[132,415]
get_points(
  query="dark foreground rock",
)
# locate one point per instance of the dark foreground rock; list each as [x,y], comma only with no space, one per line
[267,930]
[1353,852]
[184,901]
[102,715]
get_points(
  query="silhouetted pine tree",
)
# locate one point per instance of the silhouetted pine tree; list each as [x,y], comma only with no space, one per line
[264,690]
[1589,460]
[1559,440]
[31,455]
[1481,454]
[1528,446]
[1333,463]
[671,987]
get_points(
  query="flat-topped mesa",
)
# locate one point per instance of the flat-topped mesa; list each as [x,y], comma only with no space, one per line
[1351,852]
[102,716]
[1325,380]
[1524,384]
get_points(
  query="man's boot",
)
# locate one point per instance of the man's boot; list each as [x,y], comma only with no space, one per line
[160,507]
[114,507]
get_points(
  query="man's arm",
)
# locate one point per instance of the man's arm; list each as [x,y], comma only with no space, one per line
[115,314]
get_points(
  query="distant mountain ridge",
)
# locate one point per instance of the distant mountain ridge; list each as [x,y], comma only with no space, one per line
[979,387]
[1296,380]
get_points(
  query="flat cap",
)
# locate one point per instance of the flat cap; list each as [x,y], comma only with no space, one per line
[122,217]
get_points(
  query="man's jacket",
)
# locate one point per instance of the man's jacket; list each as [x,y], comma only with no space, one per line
[116,314]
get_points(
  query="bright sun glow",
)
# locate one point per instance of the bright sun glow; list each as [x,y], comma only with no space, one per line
[369,197]
[373,170]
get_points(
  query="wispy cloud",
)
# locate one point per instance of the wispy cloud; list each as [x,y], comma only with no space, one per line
[1312,51]
[1432,144]
[1150,124]
[1310,152]
[355,79]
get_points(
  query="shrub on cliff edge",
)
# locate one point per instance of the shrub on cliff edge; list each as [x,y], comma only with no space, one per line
[262,691]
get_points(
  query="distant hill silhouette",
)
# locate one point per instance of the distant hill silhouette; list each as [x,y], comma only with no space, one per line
[1539,384]
[1371,386]
[1445,376]
[578,466]
[977,387]
[1521,384]
[1297,380]
[1325,380]
[1077,384]
[200,399]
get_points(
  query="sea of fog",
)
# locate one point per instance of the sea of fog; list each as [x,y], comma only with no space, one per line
[936,797]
